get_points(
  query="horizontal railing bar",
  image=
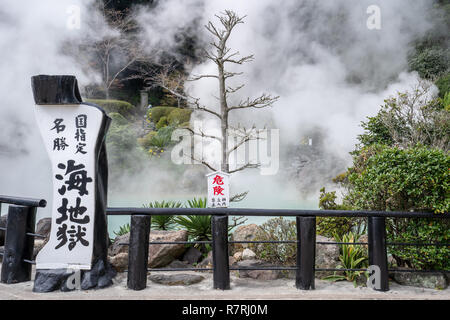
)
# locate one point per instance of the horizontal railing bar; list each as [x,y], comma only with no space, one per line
[1,253]
[416,244]
[336,269]
[180,269]
[352,243]
[419,271]
[171,242]
[265,268]
[29,261]
[31,202]
[36,235]
[266,241]
[270,212]
[3,228]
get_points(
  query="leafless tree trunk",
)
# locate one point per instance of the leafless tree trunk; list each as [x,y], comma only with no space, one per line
[221,55]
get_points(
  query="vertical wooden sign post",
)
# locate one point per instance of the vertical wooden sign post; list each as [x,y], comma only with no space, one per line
[73,133]
[219,197]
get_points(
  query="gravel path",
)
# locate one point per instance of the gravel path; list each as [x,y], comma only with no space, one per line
[240,289]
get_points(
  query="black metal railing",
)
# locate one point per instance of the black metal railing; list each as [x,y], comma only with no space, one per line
[306,236]
[19,238]
[20,234]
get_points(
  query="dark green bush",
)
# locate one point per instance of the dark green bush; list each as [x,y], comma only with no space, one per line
[413,179]
[155,113]
[124,108]
[430,62]
[179,116]
[276,229]
[443,84]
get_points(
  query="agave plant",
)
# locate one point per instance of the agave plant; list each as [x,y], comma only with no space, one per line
[351,257]
[197,203]
[163,222]
[123,230]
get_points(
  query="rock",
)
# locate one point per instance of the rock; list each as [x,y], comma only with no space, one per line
[176,279]
[100,276]
[38,245]
[231,261]
[43,227]
[238,256]
[119,261]
[244,233]
[423,280]
[2,232]
[327,256]
[116,246]
[248,254]
[192,255]
[207,262]
[257,274]
[161,255]
[177,264]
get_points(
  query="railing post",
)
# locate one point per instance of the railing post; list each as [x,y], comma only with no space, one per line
[377,251]
[18,245]
[138,252]
[306,253]
[221,267]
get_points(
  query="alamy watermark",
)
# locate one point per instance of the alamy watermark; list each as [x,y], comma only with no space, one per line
[258,149]
[374,20]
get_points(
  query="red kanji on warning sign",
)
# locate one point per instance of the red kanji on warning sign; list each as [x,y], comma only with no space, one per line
[218,190]
[218,180]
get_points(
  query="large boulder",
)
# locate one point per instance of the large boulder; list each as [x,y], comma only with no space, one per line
[160,255]
[433,280]
[192,255]
[248,254]
[327,256]
[117,246]
[119,261]
[244,233]
[43,227]
[257,274]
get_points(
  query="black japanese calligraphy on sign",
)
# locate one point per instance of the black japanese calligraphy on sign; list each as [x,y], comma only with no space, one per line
[59,144]
[77,179]
[74,212]
[58,126]
[80,134]
[74,235]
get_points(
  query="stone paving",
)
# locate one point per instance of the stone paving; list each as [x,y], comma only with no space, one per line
[241,288]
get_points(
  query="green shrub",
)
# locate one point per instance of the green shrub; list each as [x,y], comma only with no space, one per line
[276,229]
[414,179]
[443,84]
[162,122]
[123,230]
[179,116]
[197,203]
[198,228]
[124,108]
[155,113]
[331,226]
[118,119]
[146,141]
[351,257]
[163,222]
[430,62]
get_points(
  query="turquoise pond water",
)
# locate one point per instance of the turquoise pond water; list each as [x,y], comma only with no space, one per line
[114,222]
[252,201]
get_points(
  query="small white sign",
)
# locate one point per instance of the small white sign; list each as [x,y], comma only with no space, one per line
[218,190]
[70,134]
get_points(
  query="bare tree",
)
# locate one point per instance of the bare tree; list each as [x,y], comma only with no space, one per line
[117,49]
[222,56]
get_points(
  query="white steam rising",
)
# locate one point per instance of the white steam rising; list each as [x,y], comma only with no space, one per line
[328,68]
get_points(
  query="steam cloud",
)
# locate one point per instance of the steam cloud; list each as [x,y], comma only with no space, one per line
[328,68]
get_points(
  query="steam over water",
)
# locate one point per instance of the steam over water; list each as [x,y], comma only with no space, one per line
[328,68]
